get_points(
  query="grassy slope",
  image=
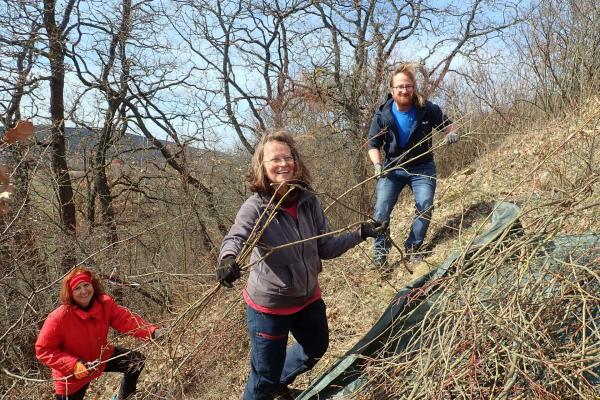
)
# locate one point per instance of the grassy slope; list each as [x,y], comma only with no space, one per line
[532,167]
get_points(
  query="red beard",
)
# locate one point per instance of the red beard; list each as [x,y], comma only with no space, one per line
[404,101]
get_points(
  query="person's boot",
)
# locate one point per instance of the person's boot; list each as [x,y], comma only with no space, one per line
[413,255]
[380,260]
[287,393]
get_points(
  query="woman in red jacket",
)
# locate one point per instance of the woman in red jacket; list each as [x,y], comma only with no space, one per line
[73,340]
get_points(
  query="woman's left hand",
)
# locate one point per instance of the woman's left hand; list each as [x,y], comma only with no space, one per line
[80,371]
[158,334]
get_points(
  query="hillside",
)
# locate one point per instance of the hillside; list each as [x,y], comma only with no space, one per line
[164,106]
[550,171]
[537,168]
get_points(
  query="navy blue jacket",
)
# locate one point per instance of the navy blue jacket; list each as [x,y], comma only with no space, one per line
[384,132]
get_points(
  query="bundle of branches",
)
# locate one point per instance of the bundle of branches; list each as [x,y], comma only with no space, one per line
[516,320]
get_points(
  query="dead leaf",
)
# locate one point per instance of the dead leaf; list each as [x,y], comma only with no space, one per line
[4,207]
[468,171]
[5,190]
[4,179]
[20,133]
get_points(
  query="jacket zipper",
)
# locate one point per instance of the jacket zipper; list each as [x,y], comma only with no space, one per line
[297,223]
[302,257]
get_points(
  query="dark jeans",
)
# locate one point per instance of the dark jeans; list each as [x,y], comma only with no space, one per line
[129,363]
[421,180]
[273,365]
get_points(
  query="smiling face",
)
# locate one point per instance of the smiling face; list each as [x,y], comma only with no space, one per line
[403,89]
[278,162]
[83,293]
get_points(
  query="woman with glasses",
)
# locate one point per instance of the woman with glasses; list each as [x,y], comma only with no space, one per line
[282,293]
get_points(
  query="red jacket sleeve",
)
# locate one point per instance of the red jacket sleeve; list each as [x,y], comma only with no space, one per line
[125,321]
[48,345]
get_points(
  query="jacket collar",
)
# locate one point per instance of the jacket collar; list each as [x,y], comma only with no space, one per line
[386,108]
[303,196]
[94,312]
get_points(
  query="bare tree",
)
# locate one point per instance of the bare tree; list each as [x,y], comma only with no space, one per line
[561,53]
[131,87]
[17,82]
[56,36]
[360,38]
[112,80]
[247,46]
[33,40]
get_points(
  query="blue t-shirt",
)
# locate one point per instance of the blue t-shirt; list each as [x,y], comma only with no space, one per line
[405,121]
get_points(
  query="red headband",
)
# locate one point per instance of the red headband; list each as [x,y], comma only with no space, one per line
[78,278]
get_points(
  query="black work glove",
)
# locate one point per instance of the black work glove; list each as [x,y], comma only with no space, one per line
[373,229]
[228,271]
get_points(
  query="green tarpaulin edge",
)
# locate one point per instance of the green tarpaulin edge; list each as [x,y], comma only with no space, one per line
[344,377]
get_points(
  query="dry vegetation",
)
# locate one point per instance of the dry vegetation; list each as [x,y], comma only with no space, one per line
[550,171]
[149,217]
[509,334]
[512,322]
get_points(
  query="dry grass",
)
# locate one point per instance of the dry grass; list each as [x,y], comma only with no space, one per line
[506,326]
[550,171]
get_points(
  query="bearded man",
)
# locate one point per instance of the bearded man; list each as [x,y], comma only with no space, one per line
[403,126]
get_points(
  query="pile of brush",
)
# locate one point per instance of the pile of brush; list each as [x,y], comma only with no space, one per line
[518,319]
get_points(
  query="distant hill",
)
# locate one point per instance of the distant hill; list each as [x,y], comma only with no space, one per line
[82,141]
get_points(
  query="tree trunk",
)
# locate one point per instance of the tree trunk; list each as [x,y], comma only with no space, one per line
[101,182]
[60,169]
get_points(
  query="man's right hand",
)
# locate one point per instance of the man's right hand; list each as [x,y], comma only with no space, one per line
[228,272]
[373,229]
[379,173]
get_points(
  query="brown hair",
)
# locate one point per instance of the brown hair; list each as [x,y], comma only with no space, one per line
[408,69]
[257,178]
[66,297]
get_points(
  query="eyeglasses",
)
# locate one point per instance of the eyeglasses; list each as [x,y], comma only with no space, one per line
[286,160]
[404,87]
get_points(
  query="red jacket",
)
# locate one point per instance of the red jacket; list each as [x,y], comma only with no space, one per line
[70,334]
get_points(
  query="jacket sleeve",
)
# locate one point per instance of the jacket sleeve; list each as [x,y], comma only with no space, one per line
[332,246]
[377,132]
[440,120]
[128,322]
[48,346]
[239,232]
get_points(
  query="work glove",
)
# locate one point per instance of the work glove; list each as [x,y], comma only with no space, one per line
[80,370]
[158,334]
[452,137]
[228,272]
[373,229]
[378,172]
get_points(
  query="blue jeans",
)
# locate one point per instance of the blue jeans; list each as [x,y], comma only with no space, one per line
[273,364]
[421,180]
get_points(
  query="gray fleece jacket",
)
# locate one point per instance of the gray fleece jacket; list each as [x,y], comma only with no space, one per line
[286,277]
